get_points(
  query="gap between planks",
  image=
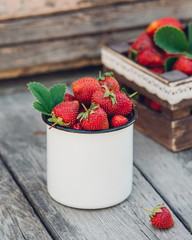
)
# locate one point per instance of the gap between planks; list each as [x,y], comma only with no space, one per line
[51,232]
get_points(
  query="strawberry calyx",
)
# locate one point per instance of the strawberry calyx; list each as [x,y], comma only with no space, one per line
[107,74]
[58,121]
[157,209]
[109,93]
[84,115]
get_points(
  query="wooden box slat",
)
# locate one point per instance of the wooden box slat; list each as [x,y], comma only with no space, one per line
[172,126]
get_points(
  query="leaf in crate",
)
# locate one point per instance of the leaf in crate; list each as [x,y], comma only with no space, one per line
[57,93]
[171,39]
[133,54]
[40,108]
[42,94]
[190,36]
[169,62]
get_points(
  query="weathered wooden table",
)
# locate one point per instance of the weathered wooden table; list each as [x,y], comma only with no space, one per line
[28,212]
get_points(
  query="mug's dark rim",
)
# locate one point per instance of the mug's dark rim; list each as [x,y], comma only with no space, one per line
[131,121]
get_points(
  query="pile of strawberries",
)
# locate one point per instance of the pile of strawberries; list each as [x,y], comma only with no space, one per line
[97,104]
[146,52]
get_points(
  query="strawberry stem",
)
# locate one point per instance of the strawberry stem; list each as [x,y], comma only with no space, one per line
[84,107]
[53,125]
[147,209]
[133,94]
[99,74]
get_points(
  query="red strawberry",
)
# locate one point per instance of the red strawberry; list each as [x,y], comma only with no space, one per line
[150,57]
[105,98]
[166,21]
[84,88]
[118,120]
[123,104]
[94,118]
[184,65]
[65,113]
[68,97]
[142,41]
[158,70]
[77,126]
[147,101]
[161,217]
[155,106]
[109,80]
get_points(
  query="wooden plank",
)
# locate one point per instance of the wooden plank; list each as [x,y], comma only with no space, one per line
[55,55]
[17,218]
[169,173]
[25,155]
[25,8]
[93,21]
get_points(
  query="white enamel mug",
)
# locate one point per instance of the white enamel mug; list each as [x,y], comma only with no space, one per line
[90,169]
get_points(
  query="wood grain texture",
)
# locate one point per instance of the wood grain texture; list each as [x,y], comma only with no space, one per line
[25,155]
[170,174]
[17,218]
[27,8]
[55,55]
[93,21]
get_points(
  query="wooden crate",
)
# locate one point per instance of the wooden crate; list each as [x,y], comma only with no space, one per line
[49,35]
[172,127]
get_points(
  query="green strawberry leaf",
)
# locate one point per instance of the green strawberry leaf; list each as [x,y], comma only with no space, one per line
[42,94]
[169,62]
[57,93]
[171,39]
[190,36]
[133,54]
[40,108]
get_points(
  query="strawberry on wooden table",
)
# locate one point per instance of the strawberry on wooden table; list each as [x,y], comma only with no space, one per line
[166,21]
[93,118]
[118,120]
[65,114]
[84,88]
[161,217]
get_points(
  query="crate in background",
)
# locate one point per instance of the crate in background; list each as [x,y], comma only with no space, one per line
[172,126]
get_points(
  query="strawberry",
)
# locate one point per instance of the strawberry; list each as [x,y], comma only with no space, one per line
[155,106]
[184,65]
[142,41]
[68,97]
[77,126]
[105,98]
[147,101]
[150,57]
[123,104]
[84,88]
[65,113]
[109,80]
[94,118]
[161,217]
[158,70]
[118,120]
[166,21]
